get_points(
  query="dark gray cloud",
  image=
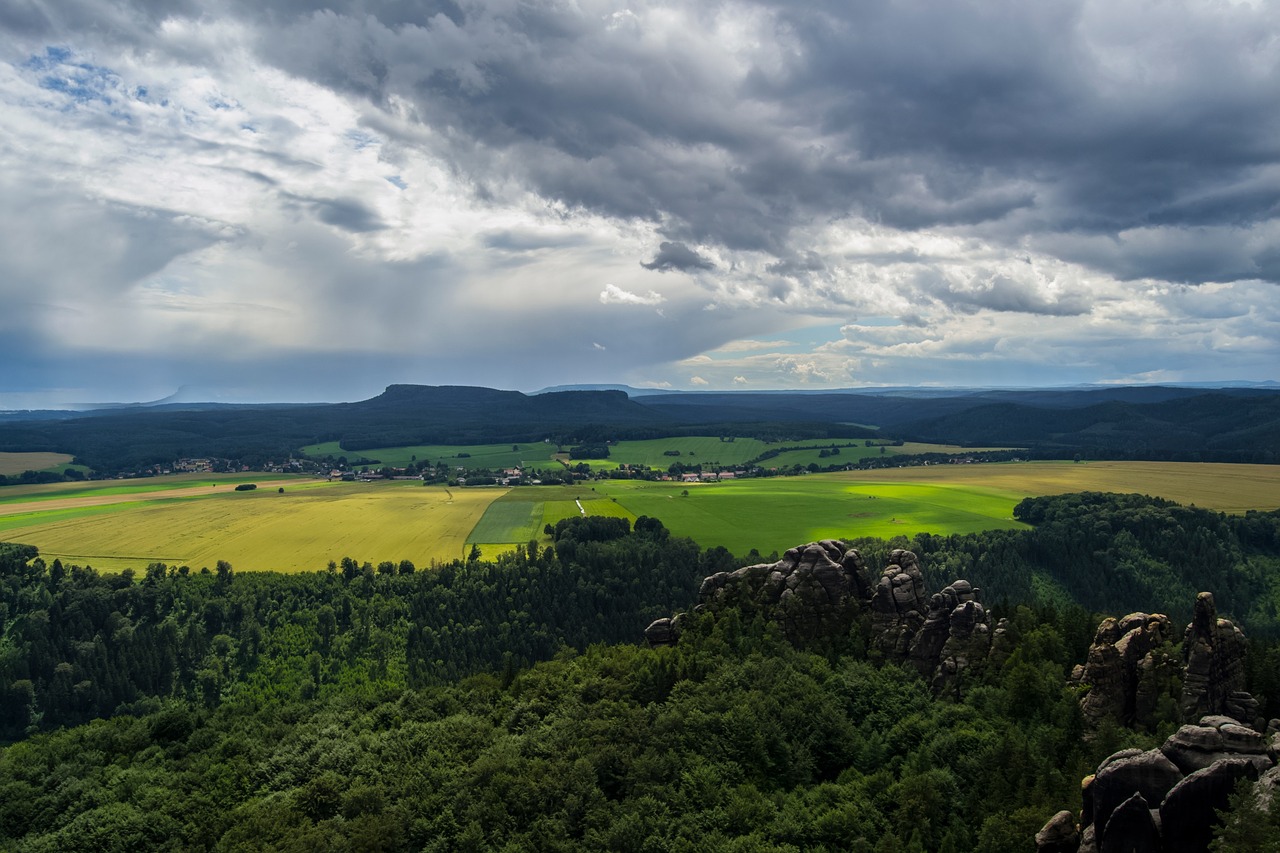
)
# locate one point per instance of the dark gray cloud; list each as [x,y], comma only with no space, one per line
[999,292]
[1054,117]
[677,256]
[347,214]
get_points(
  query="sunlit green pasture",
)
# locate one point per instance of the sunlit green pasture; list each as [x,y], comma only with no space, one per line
[707,450]
[527,454]
[298,529]
[778,512]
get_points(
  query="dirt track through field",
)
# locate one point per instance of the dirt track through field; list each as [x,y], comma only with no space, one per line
[106,500]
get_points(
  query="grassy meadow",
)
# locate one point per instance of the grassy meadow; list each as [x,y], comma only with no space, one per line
[301,529]
[1211,485]
[197,519]
[776,513]
[521,514]
[12,464]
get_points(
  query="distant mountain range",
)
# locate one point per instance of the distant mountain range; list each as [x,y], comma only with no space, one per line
[1149,422]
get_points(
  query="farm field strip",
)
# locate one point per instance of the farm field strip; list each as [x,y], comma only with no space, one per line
[52,503]
[1218,486]
[298,530]
[533,454]
[775,514]
[521,514]
[650,453]
[16,463]
[145,486]
[185,520]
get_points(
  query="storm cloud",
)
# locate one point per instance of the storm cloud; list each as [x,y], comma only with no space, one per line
[312,180]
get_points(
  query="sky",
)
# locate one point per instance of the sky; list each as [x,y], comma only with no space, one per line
[306,201]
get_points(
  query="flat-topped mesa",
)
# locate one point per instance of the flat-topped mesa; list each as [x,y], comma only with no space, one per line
[815,591]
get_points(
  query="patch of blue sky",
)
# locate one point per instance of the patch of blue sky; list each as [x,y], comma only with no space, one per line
[60,71]
[397,181]
[361,139]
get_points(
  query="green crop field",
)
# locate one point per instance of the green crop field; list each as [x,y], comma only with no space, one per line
[297,530]
[530,454]
[776,513]
[707,450]
[812,453]
[521,514]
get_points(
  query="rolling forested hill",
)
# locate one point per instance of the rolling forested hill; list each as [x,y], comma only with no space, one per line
[1231,425]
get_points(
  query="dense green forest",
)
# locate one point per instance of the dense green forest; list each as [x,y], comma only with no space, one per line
[506,704]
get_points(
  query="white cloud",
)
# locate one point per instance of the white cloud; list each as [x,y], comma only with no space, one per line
[614,295]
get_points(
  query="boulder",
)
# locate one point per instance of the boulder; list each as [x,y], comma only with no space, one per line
[1190,811]
[1196,747]
[1130,828]
[1149,774]
[1059,835]
[662,632]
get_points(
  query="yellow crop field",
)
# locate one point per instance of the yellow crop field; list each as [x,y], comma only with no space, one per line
[301,529]
[1219,486]
[16,463]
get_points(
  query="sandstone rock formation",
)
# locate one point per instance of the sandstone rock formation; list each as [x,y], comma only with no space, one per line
[1214,650]
[899,607]
[818,591]
[663,632]
[1164,800]
[1131,669]
[956,636]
